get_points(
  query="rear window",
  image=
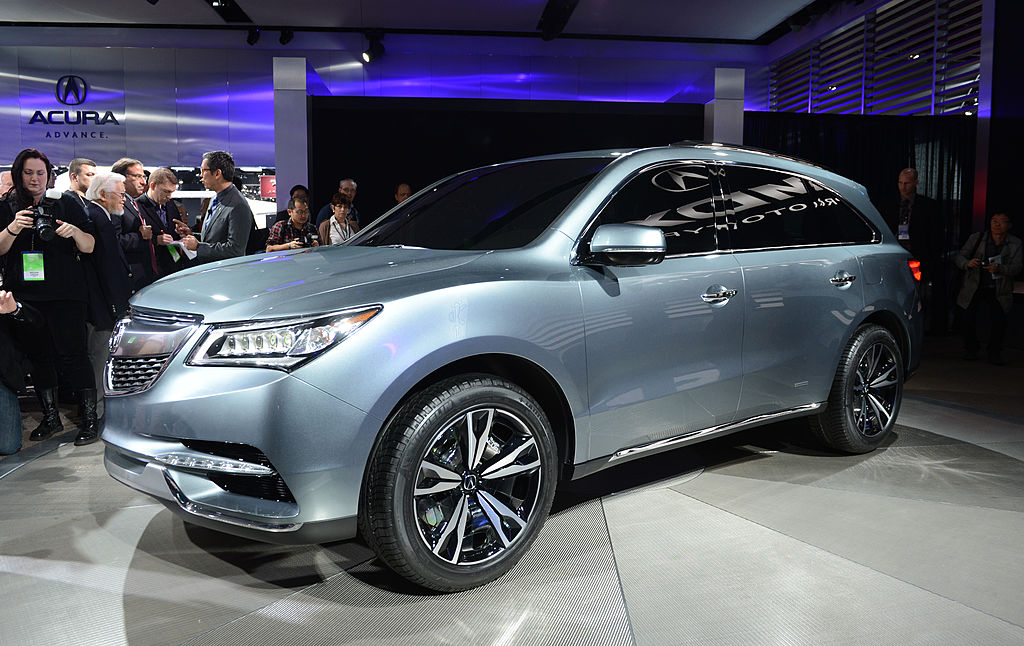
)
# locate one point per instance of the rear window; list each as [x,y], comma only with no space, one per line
[498,207]
[770,208]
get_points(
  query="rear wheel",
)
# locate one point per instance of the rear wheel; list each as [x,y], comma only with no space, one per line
[866,393]
[460,483]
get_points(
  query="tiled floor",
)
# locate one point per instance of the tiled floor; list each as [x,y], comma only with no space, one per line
[757,538]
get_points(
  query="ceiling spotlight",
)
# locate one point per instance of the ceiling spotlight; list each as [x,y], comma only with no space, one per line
[254,35]
[153,2]
[375,50]
[286,36]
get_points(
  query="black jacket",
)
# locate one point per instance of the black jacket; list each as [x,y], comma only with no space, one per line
[110,278]
[63,271]
[13,365]
[165,262]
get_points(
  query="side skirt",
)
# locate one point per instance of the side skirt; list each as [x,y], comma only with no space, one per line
[584,469]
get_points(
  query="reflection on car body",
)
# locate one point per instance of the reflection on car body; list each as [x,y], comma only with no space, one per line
[429,383]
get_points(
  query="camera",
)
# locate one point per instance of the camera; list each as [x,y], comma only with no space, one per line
[308,239]
[44,220]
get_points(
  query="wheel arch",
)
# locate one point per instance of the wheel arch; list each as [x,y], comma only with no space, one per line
[897,329]
[529,376]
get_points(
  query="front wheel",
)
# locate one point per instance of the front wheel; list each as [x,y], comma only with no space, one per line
[866,393]
[460,483]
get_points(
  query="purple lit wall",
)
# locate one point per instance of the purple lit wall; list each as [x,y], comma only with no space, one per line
[172,104]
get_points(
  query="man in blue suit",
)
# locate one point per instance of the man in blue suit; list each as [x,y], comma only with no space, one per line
[108,274]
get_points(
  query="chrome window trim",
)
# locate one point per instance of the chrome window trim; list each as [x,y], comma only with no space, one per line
[576,256]
[726,164]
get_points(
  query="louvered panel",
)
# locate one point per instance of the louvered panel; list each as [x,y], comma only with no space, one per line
[906,57]
[789,82]
[958,56]
[840,63]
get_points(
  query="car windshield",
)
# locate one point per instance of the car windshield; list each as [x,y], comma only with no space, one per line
[498,207]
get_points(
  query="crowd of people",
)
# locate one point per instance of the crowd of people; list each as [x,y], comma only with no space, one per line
[987,264]
[69,262]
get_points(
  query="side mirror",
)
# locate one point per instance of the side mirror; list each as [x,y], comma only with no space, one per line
[627,245]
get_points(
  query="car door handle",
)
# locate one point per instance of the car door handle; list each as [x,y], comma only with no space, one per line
[717,294]
[842,278]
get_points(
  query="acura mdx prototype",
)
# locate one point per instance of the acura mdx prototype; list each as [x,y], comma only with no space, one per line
[428,384]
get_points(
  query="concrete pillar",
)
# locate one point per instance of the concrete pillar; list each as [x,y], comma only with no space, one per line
[723,115]
[291,130]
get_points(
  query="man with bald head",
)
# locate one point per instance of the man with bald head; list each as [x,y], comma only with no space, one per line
[918,225]
[6,182]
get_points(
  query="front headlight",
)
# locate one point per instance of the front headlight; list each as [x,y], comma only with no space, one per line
[281,344]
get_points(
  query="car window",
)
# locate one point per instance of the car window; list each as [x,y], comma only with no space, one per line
[677,198]
[769,208]
[498,207]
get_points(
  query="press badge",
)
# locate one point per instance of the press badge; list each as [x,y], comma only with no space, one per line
[32,265]
[904,232]
[175,255]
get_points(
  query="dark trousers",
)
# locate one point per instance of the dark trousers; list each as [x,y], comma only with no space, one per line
[985,301]
[61,342]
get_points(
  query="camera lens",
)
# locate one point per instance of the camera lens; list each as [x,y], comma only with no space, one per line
[44,227]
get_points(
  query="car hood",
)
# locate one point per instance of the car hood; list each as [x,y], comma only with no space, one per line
[292,282]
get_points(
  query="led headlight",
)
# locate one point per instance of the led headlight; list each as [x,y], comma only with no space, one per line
[281,344]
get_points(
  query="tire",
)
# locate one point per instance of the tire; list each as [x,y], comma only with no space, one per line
[866,393]
[460,483]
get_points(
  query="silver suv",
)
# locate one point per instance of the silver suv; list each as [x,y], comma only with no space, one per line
[428,384]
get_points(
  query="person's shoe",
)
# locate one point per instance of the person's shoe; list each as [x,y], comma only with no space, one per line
[51,415]
[971,355]
[89,431]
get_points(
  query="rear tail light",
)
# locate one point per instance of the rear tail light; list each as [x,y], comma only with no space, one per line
[915,269]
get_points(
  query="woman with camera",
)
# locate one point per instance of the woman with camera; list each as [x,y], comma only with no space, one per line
[41,240]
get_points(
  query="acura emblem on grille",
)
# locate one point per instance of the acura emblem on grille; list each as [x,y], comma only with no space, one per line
[115,338]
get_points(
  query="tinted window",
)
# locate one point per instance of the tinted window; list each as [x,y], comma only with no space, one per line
[677,198]
[769,208]
[499,207]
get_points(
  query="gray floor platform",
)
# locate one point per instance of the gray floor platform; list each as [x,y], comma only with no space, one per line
[758,538]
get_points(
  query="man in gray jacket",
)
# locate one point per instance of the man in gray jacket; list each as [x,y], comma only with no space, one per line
[990,260]
[226,226]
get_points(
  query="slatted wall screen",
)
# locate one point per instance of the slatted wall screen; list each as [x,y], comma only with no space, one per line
[906,57]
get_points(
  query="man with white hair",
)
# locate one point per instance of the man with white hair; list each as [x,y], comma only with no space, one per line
[6,182]
[107,271]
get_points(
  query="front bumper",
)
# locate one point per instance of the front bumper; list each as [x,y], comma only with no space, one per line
[250,451]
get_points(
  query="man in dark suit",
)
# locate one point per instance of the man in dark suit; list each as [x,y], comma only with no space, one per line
[918,225]
[227,226]
[135,236]
[159,212]
[107,273]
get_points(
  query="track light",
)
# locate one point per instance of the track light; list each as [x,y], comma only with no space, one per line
[286,36]
[153,2]
[375,50]
[254,35]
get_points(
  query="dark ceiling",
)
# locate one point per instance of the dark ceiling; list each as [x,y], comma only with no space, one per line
[727,21]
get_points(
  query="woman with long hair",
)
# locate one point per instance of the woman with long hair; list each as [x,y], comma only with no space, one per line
[41,242]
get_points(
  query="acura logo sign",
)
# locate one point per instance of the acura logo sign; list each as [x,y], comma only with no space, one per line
[71,90]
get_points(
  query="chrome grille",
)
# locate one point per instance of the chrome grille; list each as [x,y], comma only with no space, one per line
[129,374]
[142,345]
